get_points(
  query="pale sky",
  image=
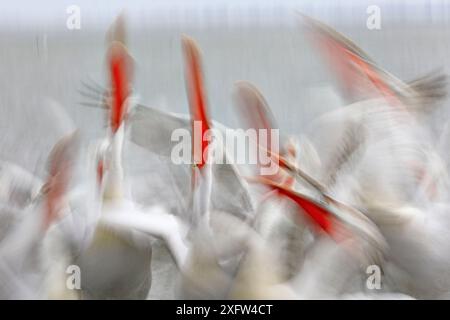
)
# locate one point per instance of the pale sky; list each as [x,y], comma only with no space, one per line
[47,13]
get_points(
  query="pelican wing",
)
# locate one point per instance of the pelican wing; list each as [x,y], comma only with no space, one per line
[155,222]
[152,129]
[19,187]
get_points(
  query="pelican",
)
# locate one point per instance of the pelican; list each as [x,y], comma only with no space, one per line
[230,191]
[378,156]
[23,266]
[116,264]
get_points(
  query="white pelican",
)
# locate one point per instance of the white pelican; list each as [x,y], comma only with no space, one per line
[23,266]
[117,262]
[378,156]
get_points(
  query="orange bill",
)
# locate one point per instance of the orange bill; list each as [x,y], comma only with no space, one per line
[197,101]
[359,75]
[255,110]
[317,213]
[119,65]
[60,170]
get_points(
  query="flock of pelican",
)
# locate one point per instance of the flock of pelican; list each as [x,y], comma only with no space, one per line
[364,188]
